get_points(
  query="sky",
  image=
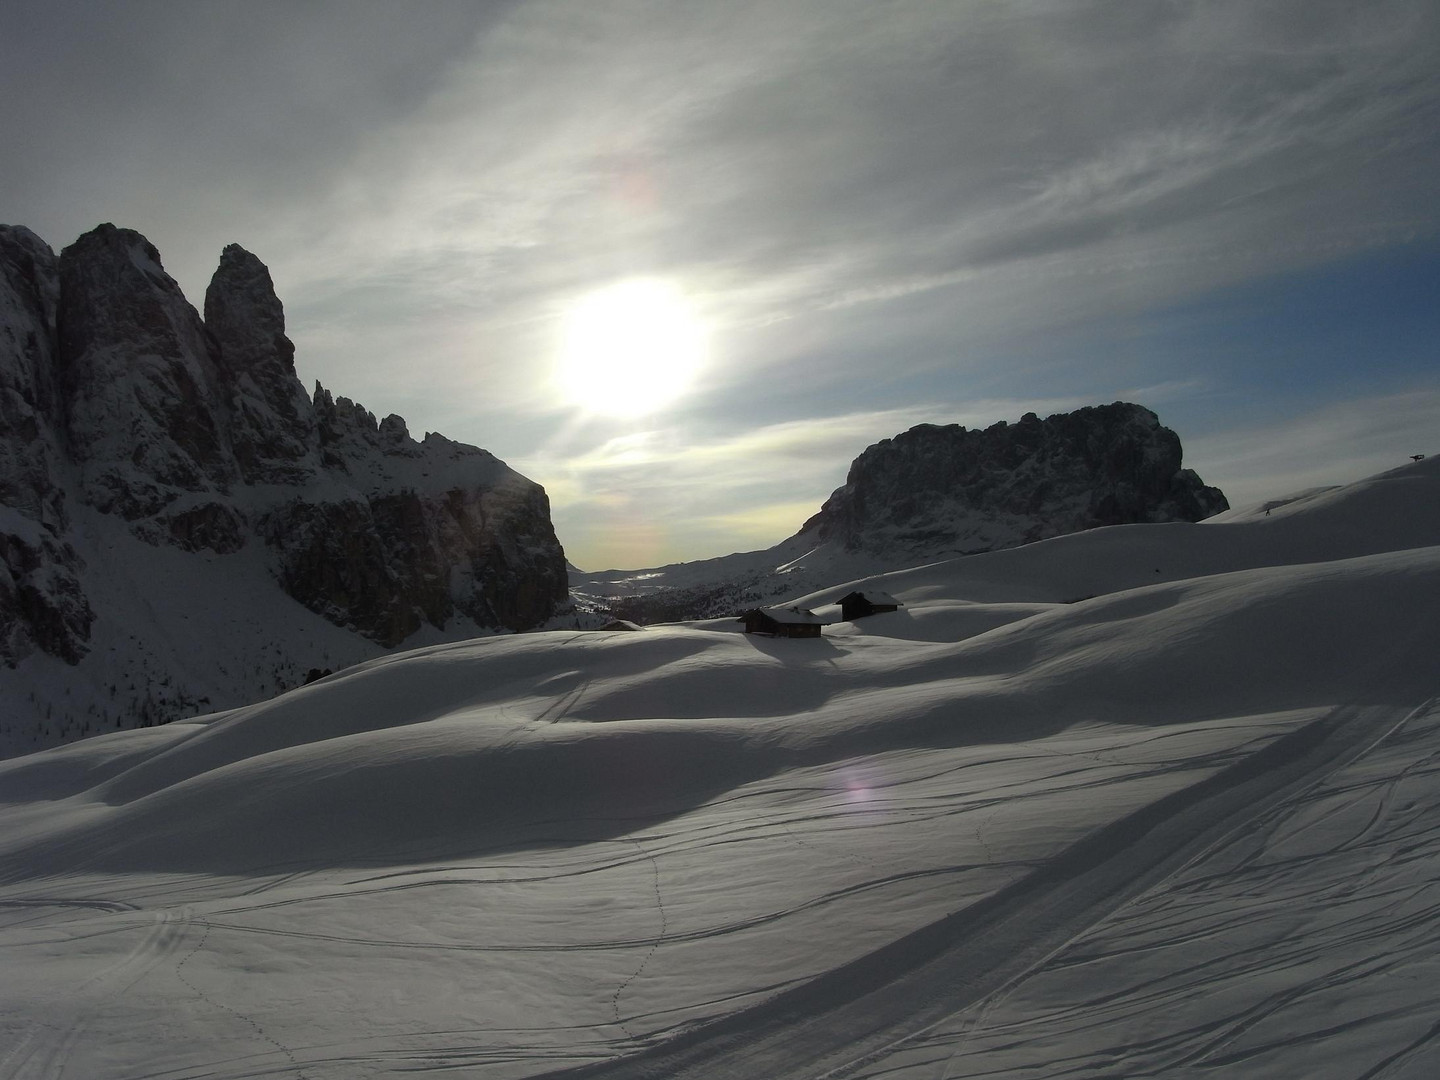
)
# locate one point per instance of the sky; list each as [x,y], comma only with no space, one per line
[818,222]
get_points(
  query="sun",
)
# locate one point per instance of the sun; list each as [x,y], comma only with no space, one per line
[630,349]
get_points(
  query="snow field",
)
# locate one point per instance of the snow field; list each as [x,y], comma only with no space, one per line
[555,953]
[523,855]
[1308,946]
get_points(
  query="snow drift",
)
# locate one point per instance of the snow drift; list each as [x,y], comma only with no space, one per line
[560,850]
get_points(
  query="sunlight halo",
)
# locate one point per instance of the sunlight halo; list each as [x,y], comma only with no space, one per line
[629,349]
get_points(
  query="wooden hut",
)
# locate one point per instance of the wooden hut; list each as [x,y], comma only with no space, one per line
[782,622]
[857,605]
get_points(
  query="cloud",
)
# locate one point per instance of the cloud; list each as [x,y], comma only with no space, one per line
[696,495]
[1333,445]
[878,207]
[199,121]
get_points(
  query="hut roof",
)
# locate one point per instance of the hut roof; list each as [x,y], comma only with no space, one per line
[874,596]
[790,616]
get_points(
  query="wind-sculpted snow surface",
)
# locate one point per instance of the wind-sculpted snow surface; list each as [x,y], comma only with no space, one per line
[1306,946]
[1177,825]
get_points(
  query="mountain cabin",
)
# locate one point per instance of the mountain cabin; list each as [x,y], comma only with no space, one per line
[857,605]
[782,622]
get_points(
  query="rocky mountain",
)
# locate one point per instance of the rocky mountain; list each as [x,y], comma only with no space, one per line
[135,432]
[936,492]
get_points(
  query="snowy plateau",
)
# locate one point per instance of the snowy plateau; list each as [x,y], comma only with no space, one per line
[1146,800]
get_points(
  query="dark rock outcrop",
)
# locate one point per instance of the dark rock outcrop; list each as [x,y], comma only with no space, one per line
[943,490]
[272,424]
[116,397]
[391,563]
[29,450]
[42,603]
[138,378]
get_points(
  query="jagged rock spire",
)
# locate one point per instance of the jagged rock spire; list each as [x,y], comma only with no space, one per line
[138,377]
[272,424]
[245,316]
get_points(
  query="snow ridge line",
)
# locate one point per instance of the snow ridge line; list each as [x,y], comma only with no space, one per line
[221,1006]
[857,1011]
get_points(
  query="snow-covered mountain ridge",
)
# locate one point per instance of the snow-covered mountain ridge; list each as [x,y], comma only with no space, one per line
[932,493]
[142,446]
[1188,822]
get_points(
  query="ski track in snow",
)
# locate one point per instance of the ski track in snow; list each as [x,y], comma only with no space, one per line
[830,825]
[1182,829]
[973,806]
[954,798]
[43,1051]
[842,1021]
[1250,959]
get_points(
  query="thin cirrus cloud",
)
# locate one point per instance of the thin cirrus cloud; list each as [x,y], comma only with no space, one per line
[1332,445]
[882,211]
[710,482]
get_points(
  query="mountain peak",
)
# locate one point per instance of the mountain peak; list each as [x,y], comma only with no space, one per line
[245,315]
[122,408]
[137,371]
[943,490]
[272,421]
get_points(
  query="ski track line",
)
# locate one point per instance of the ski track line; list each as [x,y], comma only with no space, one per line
[561,706]
[47,1045]
[1220,834]
[44,906]
[855,1014]
[108,906]
[1223,831]
[865,862]
[1207,1045]
[699,934]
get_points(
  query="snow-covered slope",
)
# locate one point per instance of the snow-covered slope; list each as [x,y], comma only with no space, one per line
[1179,824]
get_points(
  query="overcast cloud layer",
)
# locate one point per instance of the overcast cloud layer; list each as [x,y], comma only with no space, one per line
[888,213]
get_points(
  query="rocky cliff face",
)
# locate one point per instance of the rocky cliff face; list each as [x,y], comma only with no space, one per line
[273,432]
[121,406]
[946,490]
[42,602]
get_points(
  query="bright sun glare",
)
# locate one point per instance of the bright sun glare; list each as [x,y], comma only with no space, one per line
[630,349]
